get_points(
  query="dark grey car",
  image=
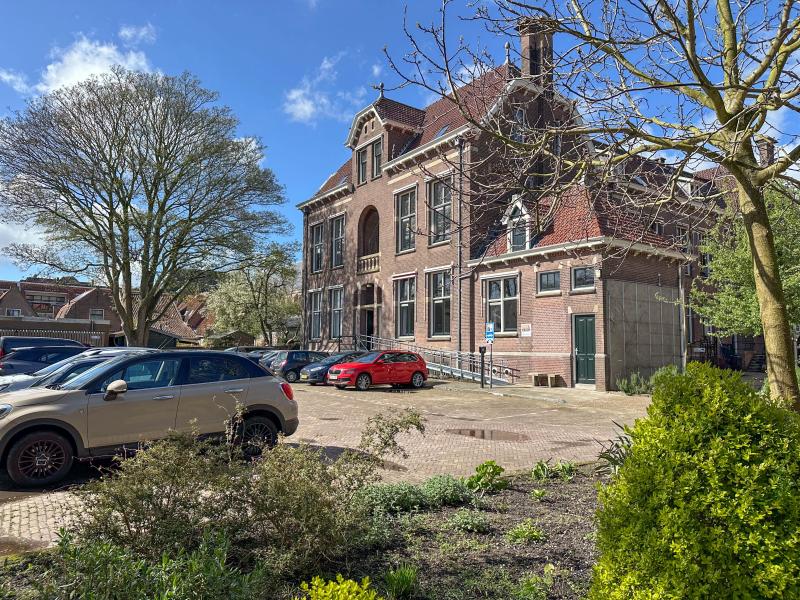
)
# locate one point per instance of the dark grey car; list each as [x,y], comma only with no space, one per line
[28,360]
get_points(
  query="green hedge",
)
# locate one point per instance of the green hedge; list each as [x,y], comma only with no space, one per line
[707,504]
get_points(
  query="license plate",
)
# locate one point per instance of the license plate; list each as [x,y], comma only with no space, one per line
[303,375]
[333,377]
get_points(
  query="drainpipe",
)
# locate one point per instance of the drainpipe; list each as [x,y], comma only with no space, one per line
[683,317]
[460,142]
[304,283]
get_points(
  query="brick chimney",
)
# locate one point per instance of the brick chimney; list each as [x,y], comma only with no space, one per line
[766,151]
[536,48]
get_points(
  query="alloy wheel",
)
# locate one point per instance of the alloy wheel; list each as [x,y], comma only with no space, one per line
[42,459]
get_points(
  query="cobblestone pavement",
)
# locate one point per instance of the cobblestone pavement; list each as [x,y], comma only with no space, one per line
[514,425]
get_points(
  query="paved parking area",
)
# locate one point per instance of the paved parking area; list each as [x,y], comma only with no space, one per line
[514,425]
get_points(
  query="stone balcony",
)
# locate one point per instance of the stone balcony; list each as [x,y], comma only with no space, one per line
[370,263]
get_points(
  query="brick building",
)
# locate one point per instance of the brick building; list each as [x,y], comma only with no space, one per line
[397,244]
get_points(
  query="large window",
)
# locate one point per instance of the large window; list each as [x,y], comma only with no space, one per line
[582,278]
[406,296]
[440,210]
[97,314]
[335,304]
[406,210]
[316,315]
[502,302]
[317,247]
[440,303]
[377,157]
[361,165]
[337,241]
[549,281]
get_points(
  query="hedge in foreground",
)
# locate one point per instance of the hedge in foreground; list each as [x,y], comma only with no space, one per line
[707,503]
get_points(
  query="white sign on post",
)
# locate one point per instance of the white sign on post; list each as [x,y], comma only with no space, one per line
[490,333]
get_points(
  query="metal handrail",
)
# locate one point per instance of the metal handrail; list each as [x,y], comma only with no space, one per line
[452,363]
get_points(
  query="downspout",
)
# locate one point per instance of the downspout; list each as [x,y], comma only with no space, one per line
[304,284]
[683,317]
[460,258]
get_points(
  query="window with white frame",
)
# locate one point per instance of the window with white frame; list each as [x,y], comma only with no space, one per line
[440,215]
[582,278]
[405,291]
[657,227]
[549,281]
[518,128]
[502,302]
[13,312]
[97,314]
[317,247]
[406,211]
[316,314]
[335,304]
[518,229]
[337,241]
[361,165]
[377,157]
[439,289]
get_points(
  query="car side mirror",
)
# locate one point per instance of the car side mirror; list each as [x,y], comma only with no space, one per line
[114,389]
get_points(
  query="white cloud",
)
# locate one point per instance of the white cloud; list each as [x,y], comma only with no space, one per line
[85,58]
[377,70]
[132,35]
[17,81]
[315,98]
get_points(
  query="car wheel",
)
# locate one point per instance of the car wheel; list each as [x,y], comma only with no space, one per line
[291,376]
[39,458]
[258,433]
[362,382]
[417,380]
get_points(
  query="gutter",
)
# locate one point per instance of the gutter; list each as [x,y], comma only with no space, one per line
[422,149]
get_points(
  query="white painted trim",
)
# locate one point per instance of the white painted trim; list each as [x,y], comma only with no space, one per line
[320,221]
[407,275]
[319,289]
[338,286]
[328,194]
[500,275]
[424,148]
[405,188]
[438,269]
[341,213]
[368,142]
[442,175]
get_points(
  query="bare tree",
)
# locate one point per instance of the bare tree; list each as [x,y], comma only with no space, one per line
[137,179]
[689,83]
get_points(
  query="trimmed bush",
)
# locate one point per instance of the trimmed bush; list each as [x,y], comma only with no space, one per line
[341,589]
[445,490]
[392,497]
[706,503]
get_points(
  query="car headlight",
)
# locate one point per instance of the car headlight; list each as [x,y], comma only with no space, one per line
[4,410]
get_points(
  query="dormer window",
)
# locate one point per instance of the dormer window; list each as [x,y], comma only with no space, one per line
[518,130]
[516,221]
[361,165]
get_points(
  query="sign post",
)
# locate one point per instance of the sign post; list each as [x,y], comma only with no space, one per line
[490,343]
[482,350]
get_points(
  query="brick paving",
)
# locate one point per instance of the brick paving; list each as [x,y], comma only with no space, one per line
[514,425]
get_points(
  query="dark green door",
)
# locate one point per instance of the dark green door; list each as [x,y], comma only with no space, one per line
[584,349]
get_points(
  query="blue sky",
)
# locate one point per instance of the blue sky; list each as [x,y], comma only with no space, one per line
[294,71]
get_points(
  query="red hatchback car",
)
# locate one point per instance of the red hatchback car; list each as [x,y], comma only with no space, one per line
[394,367]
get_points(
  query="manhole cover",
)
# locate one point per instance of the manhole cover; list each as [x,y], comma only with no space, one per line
[491,434]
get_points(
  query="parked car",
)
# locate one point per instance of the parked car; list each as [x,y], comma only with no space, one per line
[393,367]
[266,360]
[257,354]
[9,343]
[244,349]
[27,360]
[66,369]
[287,363]
[315,373]
[132,399]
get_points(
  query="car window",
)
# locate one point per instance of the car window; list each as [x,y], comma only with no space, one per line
[23,355]
[300,356]
[214,369]
[368,358]
[146,374]
[408,358]
[55,366]
[281,356]
[318,356]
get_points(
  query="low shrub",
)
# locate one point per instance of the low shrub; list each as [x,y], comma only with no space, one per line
[537,495]
[707,498]
[445,490]
[525,533]
[488,478]
[392,497]
[541,471]
[536,587]
[401,583]
[635,385]
[469,521]
[565,470]
[104,570]
[338,589]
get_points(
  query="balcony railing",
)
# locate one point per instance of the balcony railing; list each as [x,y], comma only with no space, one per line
[369,264]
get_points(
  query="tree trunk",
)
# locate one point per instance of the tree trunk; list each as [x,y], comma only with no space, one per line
[141,337]
[781,372]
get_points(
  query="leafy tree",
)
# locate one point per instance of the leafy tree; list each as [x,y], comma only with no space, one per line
[260,299]
[728,299]
[139,179]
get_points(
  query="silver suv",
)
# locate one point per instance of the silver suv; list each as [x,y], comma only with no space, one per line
[133,399]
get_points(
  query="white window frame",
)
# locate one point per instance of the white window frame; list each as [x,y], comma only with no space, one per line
[315,329]
[336,311]
[657,227]
[512,223]
[409,299]
[411,218]
[589,268]
[100,317]
[440,210]
[520,125]
[541,290]
[340,239]
[317,246]
[13,312]
[435,299]
[501,302]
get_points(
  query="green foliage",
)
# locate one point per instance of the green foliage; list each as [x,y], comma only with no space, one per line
[469,521]
[727,298]
[565,470]
[100,570]
[525,533]
[707,498]
[537,495]
[340,589]
[488,478]
[541,471]
[401,582]
[613,454]
[392,497]
[635,385]
[536,587]
[445,490]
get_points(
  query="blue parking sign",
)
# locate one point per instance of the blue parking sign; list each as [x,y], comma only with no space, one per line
[490,333]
